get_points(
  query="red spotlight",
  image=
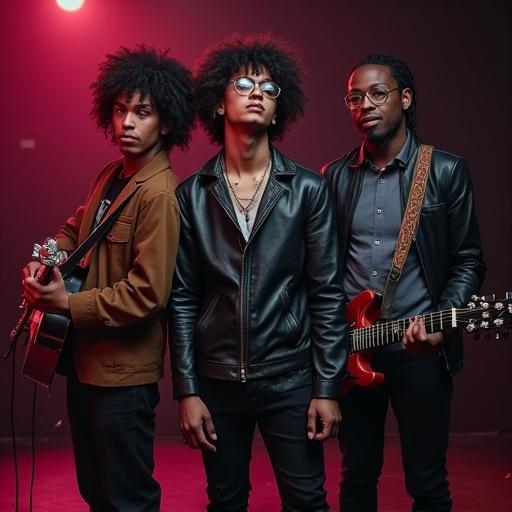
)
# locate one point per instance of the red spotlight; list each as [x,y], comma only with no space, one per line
[70,5]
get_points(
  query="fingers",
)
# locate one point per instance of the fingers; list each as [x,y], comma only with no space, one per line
[311,426]
[195,437]
[210,428]
[324,419]
[196,424]
[415,332]
[30,269]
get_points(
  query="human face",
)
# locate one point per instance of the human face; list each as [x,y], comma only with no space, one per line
[137,127]
[379,123]
[255,110]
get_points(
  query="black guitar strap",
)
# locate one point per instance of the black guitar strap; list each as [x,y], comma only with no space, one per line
[99,232]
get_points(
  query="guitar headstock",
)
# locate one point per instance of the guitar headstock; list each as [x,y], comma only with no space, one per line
[487,313]
[49,254]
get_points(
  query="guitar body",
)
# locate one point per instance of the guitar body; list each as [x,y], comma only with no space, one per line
[47,333]
[362,311]
[481,314]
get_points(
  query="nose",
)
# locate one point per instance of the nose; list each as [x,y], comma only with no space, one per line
[128,120]
[367,104]
[256,91]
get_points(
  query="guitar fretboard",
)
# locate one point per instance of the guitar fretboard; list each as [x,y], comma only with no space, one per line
[385,333]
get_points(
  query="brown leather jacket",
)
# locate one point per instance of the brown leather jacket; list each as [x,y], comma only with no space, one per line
[119,327]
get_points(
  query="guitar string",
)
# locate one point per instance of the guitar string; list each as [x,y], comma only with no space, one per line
[364,337]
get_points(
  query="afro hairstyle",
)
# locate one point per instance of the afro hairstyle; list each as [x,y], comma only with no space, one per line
[153,73]
[218,64]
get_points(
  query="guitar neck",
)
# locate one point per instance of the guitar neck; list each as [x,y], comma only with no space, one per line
[385,333]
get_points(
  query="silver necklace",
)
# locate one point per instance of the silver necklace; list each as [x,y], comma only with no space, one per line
[252,200]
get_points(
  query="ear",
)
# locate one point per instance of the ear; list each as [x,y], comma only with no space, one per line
[165,129]
[406,98]
[220,110]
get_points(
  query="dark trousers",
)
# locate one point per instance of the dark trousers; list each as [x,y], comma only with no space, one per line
[298,464]
[113,432]
[420,390]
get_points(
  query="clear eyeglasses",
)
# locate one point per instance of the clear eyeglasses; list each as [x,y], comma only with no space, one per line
[377,95]
[244,86]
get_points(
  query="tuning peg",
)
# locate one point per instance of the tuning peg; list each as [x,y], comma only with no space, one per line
[471,326]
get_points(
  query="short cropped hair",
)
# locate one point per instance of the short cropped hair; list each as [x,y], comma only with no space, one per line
[404,77]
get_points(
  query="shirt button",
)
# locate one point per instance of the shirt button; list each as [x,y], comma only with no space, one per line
[379,211]
[381,180]
[374,273]
[377,242]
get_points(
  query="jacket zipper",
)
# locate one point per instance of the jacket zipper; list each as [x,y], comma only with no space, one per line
[243,374]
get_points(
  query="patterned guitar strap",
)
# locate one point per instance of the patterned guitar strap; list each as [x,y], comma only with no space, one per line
[409,225]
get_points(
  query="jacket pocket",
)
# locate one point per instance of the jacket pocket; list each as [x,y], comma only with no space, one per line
[120,232]
[119,248]
[432,208]
[289,317]
[207,313]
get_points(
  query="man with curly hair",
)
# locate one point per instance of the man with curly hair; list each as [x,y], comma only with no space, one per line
[143,99]
[257,307]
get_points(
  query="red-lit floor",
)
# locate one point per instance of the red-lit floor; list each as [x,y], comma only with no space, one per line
[480,473]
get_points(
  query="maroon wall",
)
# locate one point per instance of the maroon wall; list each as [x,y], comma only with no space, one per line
[458,51]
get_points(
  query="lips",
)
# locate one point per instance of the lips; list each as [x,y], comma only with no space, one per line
[125,137]
[255,107]
[369,121]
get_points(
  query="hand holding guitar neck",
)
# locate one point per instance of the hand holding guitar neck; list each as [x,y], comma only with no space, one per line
[49,256]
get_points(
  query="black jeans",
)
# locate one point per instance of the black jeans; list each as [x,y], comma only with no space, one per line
[298,463]
[113,433]
[420,390]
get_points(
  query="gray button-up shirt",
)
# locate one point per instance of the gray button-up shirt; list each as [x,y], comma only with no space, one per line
[373,236]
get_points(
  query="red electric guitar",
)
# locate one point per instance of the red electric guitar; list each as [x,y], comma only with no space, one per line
[366,334]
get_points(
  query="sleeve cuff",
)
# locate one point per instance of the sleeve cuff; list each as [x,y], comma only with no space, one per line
[327,389]
[184,387]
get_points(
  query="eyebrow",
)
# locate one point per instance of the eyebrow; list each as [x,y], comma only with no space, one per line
[140,105]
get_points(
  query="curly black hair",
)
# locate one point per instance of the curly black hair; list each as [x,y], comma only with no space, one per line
[218,64]
[402,74]
[151,72]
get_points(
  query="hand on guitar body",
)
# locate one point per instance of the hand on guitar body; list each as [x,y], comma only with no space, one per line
[417,340]
[50,298]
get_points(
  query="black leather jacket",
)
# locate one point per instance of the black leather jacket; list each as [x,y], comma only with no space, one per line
[266,307]
[448,238]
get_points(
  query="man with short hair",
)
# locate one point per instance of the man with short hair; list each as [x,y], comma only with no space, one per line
[443,269]
[257,307]
[143,99]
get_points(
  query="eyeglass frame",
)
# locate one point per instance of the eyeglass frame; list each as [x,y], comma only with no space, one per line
[254,87]
[365,95]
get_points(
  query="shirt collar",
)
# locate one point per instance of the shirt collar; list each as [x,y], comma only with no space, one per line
[401,159]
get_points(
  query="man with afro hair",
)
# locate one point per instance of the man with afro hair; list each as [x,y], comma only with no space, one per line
[142,98]
[257,306]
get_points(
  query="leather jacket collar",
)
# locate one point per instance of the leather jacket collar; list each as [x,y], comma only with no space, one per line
[280,165]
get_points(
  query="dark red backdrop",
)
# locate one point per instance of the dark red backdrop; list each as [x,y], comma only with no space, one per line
[458,51]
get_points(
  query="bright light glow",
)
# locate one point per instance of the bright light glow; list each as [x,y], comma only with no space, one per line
[70,5]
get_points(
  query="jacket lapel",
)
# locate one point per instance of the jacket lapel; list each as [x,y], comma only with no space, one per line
[158,164]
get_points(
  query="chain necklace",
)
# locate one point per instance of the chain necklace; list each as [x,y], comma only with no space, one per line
[252,200]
